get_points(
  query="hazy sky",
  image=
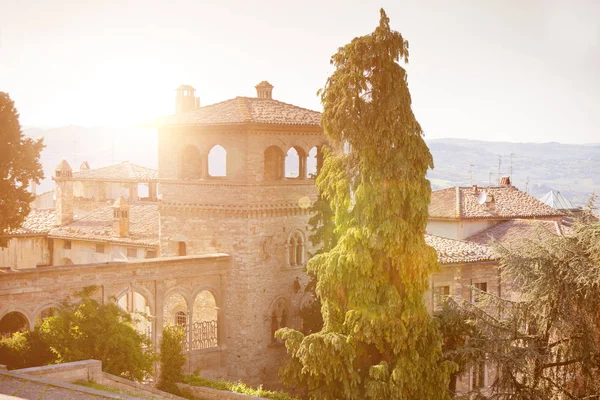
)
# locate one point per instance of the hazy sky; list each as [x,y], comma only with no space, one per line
[516,70]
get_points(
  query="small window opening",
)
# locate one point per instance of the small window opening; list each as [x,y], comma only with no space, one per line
[67,245]
[180,318]
[440,296]
[132,253]
[217,161]
[296,250]
[182,249]
[151,254]
[99,248]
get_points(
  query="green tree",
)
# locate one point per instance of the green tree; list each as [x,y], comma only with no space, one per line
[378,340]
[172,359]
[24,350]
[546,340]
[89,330]
[19,164]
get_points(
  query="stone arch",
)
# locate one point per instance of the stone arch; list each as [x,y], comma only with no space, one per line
[12,322]
[217,161]
[279,315]
[296,248]
[191,163]
[274,165]
[42,311]
[205,321]
[140,307]
[175,300]
[295,163]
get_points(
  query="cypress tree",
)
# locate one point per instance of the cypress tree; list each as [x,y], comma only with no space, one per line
[378,340]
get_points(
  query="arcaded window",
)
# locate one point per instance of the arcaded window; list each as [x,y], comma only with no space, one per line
[274,163]
[295,163]
[217,161]
[191,163]
[296,249]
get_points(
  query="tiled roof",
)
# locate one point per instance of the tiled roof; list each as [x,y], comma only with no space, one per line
[516,232]
[243,110]
[37,222]
[508,202]
[97,225]
[125,171]
[452,251]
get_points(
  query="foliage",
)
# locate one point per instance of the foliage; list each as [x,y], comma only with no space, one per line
[90,330]
[591,203]
[172,359]
[24,350]
[19,164]
[546,342]
[236,387]
[378,340]
[460,339]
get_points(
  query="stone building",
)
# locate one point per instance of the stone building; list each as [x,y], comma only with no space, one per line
[79,228]
[237,177]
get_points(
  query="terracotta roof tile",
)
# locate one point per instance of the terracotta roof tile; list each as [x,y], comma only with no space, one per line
[97,225]
[124,171]
[452,251]
[516,232]
[509,202]
[242,110]
[37,222]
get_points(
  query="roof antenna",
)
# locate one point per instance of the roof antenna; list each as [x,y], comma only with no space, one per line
[499,168]
[527,185]
[490,184]
[471,174]
[511,163]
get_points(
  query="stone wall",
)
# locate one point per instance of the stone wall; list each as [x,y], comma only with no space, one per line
[25,252]
[80,371]
[84,252]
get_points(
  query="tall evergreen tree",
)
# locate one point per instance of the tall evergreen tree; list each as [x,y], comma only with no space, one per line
[378,340]
[19,164]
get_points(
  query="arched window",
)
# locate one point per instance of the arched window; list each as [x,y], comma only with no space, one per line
[279,316]
[295,163]
[312,163]
[180,318]
[191,163]
[296,249]
[274,163]
[217,161]
[205,321]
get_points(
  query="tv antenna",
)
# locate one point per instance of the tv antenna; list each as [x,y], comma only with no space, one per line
[527,185]
[511,163]
[499,168]
[471,174]
[490,184]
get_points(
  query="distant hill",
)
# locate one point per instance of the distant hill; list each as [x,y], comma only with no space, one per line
[574,170]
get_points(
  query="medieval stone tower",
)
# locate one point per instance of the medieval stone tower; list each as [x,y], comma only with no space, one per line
[237,177]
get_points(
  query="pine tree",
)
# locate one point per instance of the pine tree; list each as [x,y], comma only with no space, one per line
[378,340]
[19,164]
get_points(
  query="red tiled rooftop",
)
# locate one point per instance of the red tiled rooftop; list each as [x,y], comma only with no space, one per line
[509,202]
[243,110]
[516,232]
[122,172]
[37,222]
[452,251]
[97,225]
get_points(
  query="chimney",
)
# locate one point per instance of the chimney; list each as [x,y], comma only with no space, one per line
[64,193]
[121,217]
[264,90]
[185,100]
[505,181]
[475,189]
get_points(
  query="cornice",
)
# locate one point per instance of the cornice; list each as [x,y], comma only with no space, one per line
[242,211]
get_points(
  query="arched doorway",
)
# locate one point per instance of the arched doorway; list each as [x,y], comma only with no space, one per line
[139,307]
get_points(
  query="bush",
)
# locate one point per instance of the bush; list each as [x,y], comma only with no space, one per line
[172,360]
[236,387]
[24,350]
